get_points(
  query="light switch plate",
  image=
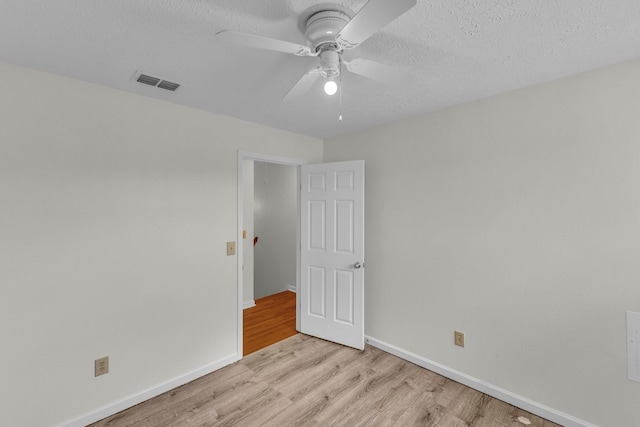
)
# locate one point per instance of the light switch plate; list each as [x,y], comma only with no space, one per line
[231,248]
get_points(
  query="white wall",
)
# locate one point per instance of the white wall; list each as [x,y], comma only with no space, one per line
[515,219]
[275,220]
[115,213]
[247,253]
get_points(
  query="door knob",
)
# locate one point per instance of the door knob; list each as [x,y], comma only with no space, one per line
[358,265]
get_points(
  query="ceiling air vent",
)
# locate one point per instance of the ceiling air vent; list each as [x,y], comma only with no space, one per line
[168,85]
[156,81]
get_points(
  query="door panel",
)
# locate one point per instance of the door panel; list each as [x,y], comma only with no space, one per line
[332,248]
[317,292]
[344,226]
[344,297]
[318,225]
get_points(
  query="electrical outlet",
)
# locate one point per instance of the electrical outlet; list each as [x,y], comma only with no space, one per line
[231,248]
[101,366]
[459,338]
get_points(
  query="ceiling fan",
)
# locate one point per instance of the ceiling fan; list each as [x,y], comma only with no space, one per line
[330,29]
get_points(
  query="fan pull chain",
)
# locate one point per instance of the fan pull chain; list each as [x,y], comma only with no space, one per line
[340,93]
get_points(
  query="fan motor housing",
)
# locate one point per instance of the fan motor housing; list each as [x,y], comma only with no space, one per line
[322,27]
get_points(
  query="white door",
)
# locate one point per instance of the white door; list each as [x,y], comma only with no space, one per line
[332,252]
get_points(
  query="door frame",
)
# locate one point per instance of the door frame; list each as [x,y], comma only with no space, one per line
[265,158]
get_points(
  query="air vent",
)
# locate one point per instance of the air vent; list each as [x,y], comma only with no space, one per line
[148,80]
[156,81]
[168,85]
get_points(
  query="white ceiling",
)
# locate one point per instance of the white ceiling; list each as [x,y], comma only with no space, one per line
[456,50]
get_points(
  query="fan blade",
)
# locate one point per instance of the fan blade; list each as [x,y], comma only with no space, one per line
[303,85]
[260,42]
[370,19]
[376,71]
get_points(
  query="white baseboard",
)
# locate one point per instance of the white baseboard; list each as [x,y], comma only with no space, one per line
[133,400]
[476,384]
[489,389]
[292,288]
[248,304]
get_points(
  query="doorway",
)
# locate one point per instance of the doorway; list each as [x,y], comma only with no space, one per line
[331,295]
[269,254]
[274,256]
[275,214]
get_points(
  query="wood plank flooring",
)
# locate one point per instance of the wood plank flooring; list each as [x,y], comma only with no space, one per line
[307,382]
[271,320]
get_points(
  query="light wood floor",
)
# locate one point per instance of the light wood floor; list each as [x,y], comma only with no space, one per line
[271,320]
[305,381]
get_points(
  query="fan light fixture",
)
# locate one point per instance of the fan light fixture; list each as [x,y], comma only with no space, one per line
[330,87]
[330,29]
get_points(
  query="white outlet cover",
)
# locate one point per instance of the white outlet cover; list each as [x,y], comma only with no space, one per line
[633,346]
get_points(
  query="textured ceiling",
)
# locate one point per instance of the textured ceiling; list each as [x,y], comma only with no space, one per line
[455,50]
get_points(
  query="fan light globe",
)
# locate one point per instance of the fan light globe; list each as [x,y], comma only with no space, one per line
[330,87]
